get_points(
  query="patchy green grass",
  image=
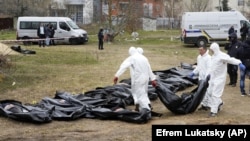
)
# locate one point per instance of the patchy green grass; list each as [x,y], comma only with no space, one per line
[80,68]
[7,34]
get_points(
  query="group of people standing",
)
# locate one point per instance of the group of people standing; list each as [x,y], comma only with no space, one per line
[46,32]
[244,31]
[239,49]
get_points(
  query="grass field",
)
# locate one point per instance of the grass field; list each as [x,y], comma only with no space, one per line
[80,68]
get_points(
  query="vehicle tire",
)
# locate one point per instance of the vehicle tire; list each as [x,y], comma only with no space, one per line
[26,42]
[201,42]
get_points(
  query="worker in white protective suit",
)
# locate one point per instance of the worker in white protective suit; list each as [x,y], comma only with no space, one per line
[141,51]
[141,73]
[203,63]
[218,75]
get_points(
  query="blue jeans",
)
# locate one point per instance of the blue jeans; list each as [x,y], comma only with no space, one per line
[242,80]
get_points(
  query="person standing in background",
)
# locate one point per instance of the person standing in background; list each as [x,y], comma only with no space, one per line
[243,32]
[231,30]
[41,35]
[52,30]
[233,51]
[47,34]
[100,39]
[244,54]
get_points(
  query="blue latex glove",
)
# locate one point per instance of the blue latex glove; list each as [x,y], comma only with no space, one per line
[242,67]
[191,75]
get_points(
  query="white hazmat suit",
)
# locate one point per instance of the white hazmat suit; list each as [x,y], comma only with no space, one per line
[140,71]
[202,68]
[218,75]
[140,50]
[203,63]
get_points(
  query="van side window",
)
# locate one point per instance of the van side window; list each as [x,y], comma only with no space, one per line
[54,25]
[63,26]
[29,25]
[35,25]
[25,25]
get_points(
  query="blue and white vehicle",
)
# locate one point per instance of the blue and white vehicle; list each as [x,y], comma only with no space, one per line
[201,28]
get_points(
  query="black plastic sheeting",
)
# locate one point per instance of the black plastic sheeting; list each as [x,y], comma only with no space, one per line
[18,48]
[111,102]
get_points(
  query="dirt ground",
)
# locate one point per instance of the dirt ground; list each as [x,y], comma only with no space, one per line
[234,111]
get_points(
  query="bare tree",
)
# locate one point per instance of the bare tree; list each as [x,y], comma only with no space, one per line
[247,12]
[18,8]
[173,9]
[127,16]
[197,5]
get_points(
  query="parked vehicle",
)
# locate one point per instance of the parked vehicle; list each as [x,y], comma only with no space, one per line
[66,31]
[201,28]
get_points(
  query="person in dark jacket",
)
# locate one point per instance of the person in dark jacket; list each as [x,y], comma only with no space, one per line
[244,54]
[100,39]
[243,32]
[231,30]
[52,29]
[47,34]
[232,50]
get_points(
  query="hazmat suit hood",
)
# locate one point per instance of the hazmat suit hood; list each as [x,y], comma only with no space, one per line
[132,50]
[215,48]
[140,50]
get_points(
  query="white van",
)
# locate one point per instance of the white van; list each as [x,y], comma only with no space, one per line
[201,28]
[66,31]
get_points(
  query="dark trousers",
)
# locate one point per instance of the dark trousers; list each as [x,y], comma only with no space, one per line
[41,42]
[232,72]
[243,38]
[52,41]
[100,44]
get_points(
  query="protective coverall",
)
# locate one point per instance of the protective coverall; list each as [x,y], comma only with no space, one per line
[203,63]
[140,71]
[218,75]
[140,50]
